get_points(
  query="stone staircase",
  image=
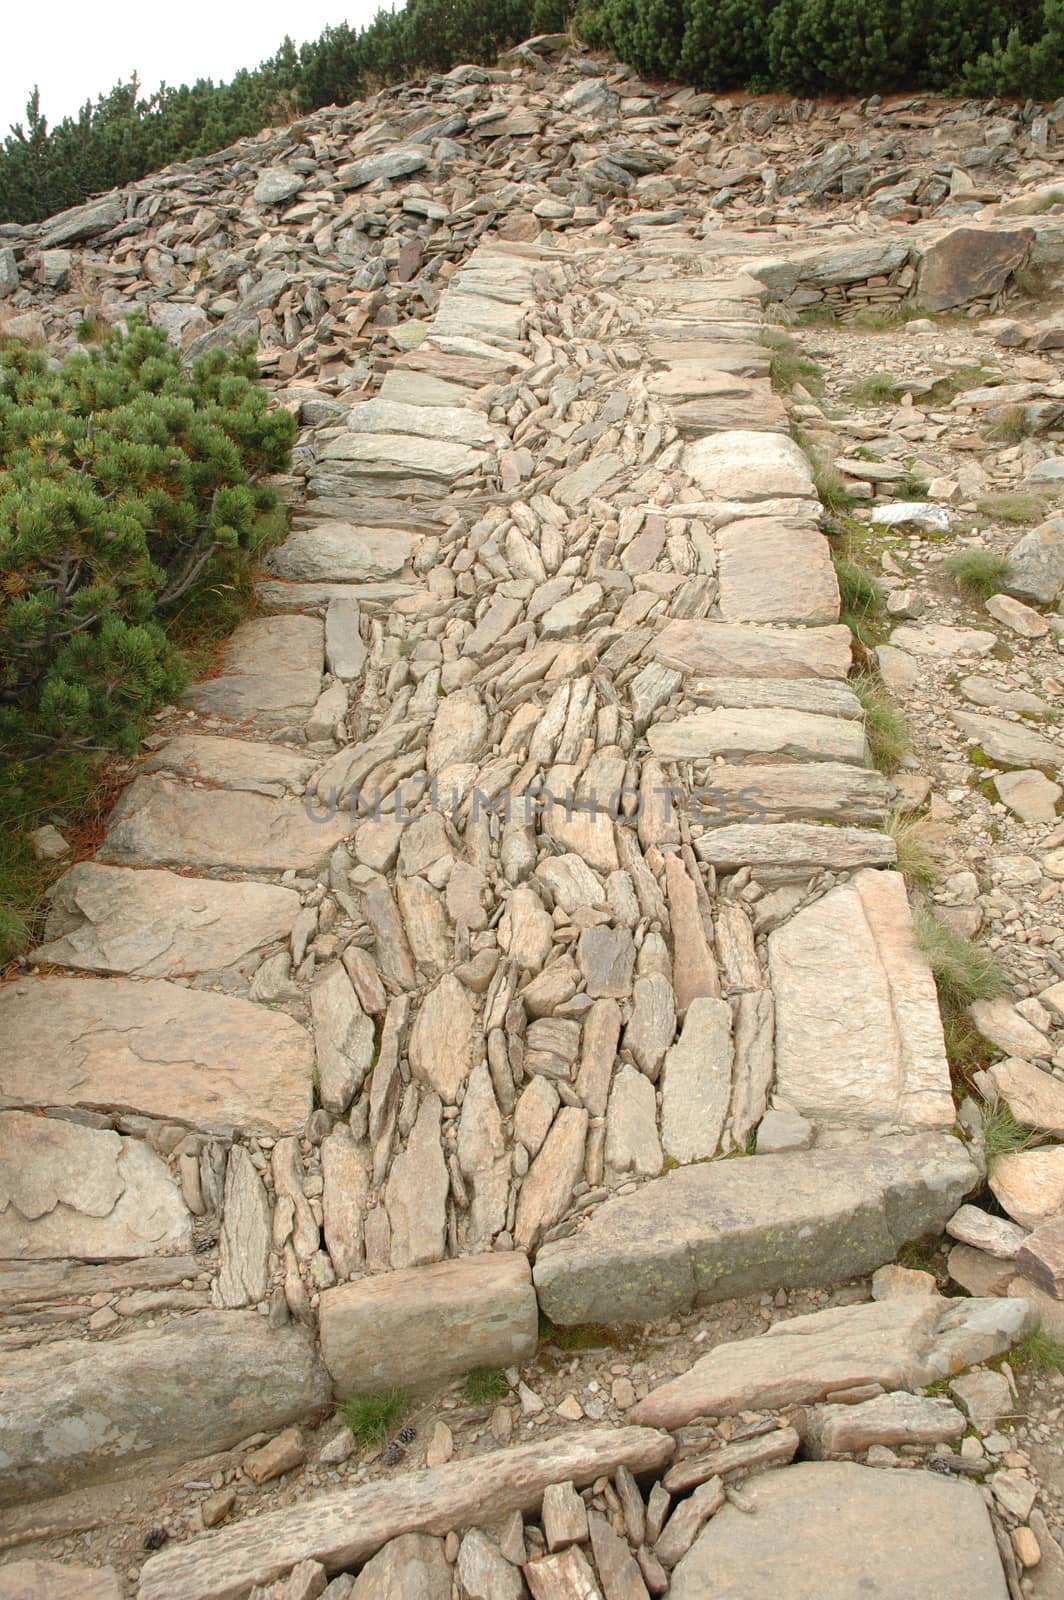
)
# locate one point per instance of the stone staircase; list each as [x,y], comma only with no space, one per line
[508,928]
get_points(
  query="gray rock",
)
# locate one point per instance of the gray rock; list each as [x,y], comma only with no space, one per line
[903,1343]
[244,1243]
[411,1328]
[417,1189]
[71,1415]
[157,1049]
[1008,744]
[888,1419]
[413,1565]
[985,1396]
[968,264]
[68,1190]
[342,552]
[632,1144]
[720,1229]
[276,185]
[397,162]
[696,1082]
[161,823]
[8,273]
[1036,564]
[548,1187]
[157,924]
[344,1037]
[83,222]
[858,1034]
[739,465]
[751,650]
[829,1531]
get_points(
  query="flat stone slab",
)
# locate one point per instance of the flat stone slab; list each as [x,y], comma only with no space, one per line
[721,1229]
[344,1527]
[68,1191]
[942,639]
[392,1330]
[790,735]
[427,465]
[451,422]
[1009,744]
[271,672]
[858,1033]
[905,1342]
[281,595]
[770,571]
[822,698]
[738,465]
[82,1410]
[182,1055]
[797,847]
[833,1530]
[747,650]
[272,769]
[157,924]
[342,552]
[796,791]
[159,823]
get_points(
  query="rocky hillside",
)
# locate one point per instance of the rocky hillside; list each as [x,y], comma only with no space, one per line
[552,1081]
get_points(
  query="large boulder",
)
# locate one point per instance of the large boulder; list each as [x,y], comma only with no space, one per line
[1036,564]
[82,1410]
[834,1530]
[970,264]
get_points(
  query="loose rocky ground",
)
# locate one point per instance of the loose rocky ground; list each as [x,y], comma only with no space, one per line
[337,1103]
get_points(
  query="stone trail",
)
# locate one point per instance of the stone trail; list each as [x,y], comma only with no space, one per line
[524,849]
[609,710]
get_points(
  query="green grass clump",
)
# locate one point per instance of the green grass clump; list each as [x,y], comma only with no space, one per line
[885,730]
[977,572]
[878,389]
[963,971]
[966,1050]
[1014,507]
[485,1386]
[916,863]
[1037,1351]
[372,1417]
[1009,426]
[860,599]
[788,366]
[1002,1134]
[830,485]
[912,487]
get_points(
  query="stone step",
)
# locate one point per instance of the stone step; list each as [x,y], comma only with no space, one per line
[156,1049]
[789,735]
[158,822]
[271,673]
[815,695]
[399,1330]
[81,1410]
[772,572]
[157,924]
[721,1229]
[749,650]
[741,464]
[260,768]
[375,598]
[858,1035]
[343,1528]
[791,791]
[793,849]
[346,552]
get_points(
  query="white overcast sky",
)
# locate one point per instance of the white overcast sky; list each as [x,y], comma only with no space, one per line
[76,51]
